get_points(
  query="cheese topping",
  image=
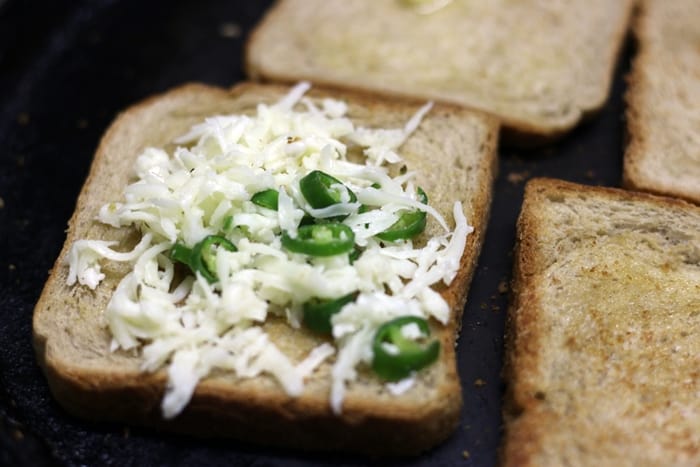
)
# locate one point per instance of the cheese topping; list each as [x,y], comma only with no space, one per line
[190,325]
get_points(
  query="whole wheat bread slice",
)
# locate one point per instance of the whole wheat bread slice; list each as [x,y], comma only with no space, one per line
[663,155]
[538,66]
[455,154]
[603,345]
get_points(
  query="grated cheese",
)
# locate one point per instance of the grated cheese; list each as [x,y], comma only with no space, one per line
[205,187]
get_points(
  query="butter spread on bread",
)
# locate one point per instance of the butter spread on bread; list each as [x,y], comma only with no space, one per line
[539,66]
[603,343]
[208,317]
[425,7]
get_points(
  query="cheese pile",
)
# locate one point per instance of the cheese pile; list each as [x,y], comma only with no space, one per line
[191,326]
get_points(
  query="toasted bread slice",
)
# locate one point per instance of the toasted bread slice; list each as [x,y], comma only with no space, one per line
[73,345]
[663,155]
[538,66]
[603,346]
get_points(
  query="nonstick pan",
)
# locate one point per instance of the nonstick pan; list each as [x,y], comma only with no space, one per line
[66,69]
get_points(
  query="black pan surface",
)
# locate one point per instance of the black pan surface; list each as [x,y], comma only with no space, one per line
[67,67]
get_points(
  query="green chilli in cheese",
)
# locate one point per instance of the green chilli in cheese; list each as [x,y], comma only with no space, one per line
[205,188]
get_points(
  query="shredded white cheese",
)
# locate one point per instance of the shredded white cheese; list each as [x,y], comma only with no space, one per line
[191,326]
[402,386]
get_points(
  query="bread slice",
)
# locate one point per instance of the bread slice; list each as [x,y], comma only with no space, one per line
[663,155]
[72,343]
[603,345]
[538,66]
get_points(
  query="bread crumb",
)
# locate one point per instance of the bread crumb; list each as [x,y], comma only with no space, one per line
[518,177]
[2,202]
[479,382]
[483,306]
[82,123]
[17,434]
[229,30]
[23,118]
[589,174]
[11,267]
[495,308]
[465,454]
[502,287]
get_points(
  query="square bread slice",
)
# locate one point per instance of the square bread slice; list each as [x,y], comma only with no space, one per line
[454,152]
[663,155]
[603,342]
[540,67]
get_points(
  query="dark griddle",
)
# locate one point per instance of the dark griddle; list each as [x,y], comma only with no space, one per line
[66,69]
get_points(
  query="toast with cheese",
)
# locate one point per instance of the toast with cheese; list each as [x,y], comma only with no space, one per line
[540,67]
[663,154]
[603,346]
[453,152]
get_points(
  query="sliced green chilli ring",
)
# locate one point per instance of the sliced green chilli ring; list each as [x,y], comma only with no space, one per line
[203,259]
[320,240]
[316,188]
[181,254]
[422,196]
[267,199]
[228,223]
[318,313]
[408,225]
[355,254]
[409,355]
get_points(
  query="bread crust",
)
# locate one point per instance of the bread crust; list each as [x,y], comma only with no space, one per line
[654,161]
[517,130]
[537,430]
[72,346]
